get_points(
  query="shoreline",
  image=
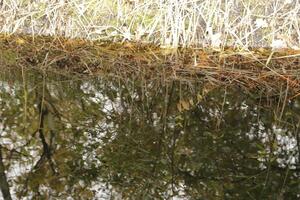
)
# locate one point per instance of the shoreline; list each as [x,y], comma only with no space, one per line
[256,68]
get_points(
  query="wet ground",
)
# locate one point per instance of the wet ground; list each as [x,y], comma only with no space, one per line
[143,130]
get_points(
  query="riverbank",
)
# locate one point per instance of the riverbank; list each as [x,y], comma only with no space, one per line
[254,68]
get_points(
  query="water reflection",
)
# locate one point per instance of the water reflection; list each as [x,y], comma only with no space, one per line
[139,138]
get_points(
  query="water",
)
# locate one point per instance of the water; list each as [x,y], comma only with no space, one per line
[141,137]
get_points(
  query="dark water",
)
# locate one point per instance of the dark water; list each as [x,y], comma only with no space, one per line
[137,138]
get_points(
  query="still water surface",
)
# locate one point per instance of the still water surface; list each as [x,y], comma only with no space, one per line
[111,137]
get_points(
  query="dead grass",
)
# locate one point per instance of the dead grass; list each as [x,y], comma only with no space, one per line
[168,23]
[256,69]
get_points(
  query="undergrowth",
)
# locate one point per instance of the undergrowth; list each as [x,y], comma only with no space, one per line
[258,68]
[168,23]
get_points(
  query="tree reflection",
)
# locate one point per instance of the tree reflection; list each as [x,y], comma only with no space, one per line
[140,138]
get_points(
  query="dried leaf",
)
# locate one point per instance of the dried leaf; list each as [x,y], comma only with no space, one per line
[185,105]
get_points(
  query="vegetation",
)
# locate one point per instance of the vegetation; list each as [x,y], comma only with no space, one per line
[91,104]
[258,68]
[169,23]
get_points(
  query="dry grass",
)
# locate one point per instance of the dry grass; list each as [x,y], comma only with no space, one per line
[169,23]
[227,67]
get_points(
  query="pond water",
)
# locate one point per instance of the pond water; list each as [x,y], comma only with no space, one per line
[114,137]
